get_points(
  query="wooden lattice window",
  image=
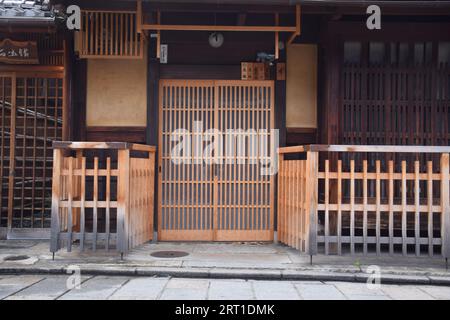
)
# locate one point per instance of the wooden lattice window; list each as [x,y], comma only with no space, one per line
[110,34]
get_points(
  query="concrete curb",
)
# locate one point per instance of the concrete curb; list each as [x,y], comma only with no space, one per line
[245,274]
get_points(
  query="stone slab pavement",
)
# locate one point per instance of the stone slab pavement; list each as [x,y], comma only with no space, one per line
[245,261]
[19,287]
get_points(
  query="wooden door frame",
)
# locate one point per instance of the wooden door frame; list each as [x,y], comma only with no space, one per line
[12,76]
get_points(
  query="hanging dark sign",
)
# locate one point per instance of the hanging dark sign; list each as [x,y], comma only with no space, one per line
[18,52]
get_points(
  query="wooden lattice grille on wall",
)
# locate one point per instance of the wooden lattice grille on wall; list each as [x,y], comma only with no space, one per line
[111,35]
[395,93]
[31,110]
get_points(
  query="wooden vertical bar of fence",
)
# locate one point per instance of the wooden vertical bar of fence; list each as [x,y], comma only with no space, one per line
[445,206]
[108,199]
[365,227]
[430,207]
[298,208]
[291,201]
[95,208]
[56,196]
[123,198]
[339,209]
[151,187]
[417,206]
[327,206]
[272,144]
[12,151]
[83,198]
[391,206]
[280,203]
[70,205]
[404,212]
[377,201]
[312,174]
[352,206]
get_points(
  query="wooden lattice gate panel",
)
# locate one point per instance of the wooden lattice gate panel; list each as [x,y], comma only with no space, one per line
[186,190]
[5,129]
[32,108]
[245,193]
[202,197]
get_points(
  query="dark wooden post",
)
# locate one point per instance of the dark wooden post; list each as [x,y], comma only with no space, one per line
[152,131]
[331,116]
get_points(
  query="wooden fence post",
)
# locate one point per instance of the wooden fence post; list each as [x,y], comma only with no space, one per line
[56,190]
[445,206]
[312,176]
[123,199]
[280,210]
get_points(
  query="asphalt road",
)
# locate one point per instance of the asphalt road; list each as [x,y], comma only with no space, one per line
[152,288]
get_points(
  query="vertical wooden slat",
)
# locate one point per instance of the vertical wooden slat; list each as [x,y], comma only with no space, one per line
[24,130]
[56,197]
[404,212]
[70,205]
[416,205]
[378,203]
[123,198]
[430,207]
[270,126]
[327,207]
[391,205]
[12,144]
[445,206]
[108,204]
[280,208]
[352,206]
[215,173]
[95,208]
[339,210]
[312,186]
[83,198]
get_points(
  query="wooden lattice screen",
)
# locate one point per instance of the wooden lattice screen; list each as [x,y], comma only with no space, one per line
[203,200]
[110,34]
[31,118]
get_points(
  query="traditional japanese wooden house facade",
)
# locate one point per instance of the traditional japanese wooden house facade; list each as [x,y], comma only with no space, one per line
[34,112]
[138,70]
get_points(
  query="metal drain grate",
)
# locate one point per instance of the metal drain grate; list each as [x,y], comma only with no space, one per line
[169,254]
[16,258]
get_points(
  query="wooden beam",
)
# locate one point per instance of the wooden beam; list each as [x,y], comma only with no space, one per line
[298,30]
[365,148]
[174,27]
[158,40]
[277,37]
[139,16]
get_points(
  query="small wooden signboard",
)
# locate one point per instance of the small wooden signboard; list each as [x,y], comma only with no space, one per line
[18,52]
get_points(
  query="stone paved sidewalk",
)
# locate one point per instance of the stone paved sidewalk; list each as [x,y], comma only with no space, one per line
[153,288]
[223,260]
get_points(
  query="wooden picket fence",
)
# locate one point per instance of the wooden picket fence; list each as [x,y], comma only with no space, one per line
[385,205]
[102,195]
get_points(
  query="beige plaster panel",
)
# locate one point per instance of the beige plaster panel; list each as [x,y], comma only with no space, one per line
[116,92]
[301,86]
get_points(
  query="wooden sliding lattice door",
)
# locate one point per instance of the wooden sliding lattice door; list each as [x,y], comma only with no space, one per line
[31,118]
[215,144]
